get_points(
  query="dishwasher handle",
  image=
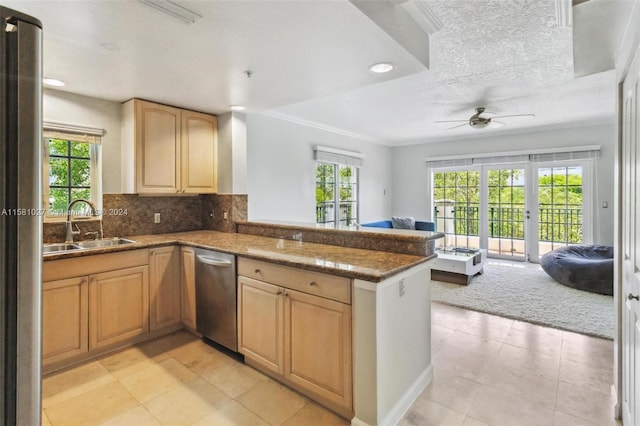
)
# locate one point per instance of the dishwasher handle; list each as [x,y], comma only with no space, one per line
[222,263]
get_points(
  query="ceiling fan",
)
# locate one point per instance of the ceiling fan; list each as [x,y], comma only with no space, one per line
[482,119]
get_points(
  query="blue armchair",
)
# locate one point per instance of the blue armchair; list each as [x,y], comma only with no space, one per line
[420,226]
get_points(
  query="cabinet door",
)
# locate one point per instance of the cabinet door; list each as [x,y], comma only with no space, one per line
[318,346]
[118,306]
[260,323]
[65,319]
[199,151]
[164,287]
[188,280]
[157,148]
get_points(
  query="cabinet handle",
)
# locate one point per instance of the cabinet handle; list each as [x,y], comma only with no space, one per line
[257,271]
[279,293]
[313,284]
[286,294]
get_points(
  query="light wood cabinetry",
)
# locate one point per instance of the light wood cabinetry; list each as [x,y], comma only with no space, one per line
[261,323]
[65,319]
[118,306]
[92,302]
[167,150]
[188,286]
[199,155]
[164,287]
[294,325]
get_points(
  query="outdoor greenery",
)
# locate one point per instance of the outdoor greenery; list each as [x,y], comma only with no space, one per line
[69,174]
[559,195]
[326,193]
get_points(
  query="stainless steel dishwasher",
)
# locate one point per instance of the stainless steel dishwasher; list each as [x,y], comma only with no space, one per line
[216,297]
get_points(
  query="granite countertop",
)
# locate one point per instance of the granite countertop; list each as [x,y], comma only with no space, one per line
[368,265]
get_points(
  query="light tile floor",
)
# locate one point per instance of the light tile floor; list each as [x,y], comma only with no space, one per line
[488,370]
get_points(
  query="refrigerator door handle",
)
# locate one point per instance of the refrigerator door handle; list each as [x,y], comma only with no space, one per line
[221,263]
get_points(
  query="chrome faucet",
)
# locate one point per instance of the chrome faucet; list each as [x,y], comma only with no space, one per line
[69,232]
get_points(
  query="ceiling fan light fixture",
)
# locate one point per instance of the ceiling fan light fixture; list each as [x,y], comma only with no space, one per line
[381,67]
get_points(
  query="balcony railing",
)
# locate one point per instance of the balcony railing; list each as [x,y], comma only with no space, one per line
[555,224]
[325,213]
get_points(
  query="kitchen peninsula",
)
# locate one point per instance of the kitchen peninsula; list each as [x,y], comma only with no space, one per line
[379,299]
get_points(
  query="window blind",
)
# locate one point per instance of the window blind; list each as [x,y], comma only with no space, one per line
[72,132]
[338,156]
[526,156]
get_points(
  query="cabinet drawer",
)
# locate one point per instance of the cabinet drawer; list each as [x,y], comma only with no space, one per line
[318,283]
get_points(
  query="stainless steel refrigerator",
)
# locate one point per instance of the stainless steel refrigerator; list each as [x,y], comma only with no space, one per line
[20,218]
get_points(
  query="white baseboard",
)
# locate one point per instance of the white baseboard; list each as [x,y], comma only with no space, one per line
[401,407]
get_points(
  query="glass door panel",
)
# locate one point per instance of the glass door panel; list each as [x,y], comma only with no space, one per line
[560,207]
[506,213]
[456,199]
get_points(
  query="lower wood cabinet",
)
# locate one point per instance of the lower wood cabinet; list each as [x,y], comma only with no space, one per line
[65,319]
[300,337]
[261,323]
[164,287]
[118,306]
[188,284]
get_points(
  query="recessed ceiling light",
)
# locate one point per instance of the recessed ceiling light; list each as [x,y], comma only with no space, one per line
[237,107]
[53,82]
[381,67]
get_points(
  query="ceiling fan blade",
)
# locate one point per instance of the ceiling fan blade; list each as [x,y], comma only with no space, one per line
[515,115]
[452,121]
[459,125]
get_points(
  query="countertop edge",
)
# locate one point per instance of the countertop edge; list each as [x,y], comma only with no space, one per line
[185,241]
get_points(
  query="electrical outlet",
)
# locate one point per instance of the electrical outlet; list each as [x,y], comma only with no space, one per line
[401,288]
[156,218]
[225,215]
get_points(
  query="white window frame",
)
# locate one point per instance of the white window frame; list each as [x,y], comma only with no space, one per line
[336,192]
[95,154]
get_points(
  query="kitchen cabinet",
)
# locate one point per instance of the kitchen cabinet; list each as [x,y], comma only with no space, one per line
[296,325]
[65,319]
[168,150]
[118,306]
[188,285]
[164,287]
[261,323]
[93,303]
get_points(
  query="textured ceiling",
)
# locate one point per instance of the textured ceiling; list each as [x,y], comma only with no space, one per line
[310,60]
[509,56]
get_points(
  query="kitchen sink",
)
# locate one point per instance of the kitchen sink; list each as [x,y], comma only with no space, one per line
[83,245]
[59,247]
[106,242]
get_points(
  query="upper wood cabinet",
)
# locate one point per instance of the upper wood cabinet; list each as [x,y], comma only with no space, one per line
[167,150]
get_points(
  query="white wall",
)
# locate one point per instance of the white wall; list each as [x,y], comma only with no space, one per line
[70,108]
[281,170]
[410,178]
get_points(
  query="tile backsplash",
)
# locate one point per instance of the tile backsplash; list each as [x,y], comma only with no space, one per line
[130,214]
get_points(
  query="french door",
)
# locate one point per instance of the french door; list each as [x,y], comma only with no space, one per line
[630,247]
[514,211]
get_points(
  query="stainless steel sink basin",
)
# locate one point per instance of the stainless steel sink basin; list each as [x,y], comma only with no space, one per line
[106,242]
[59,247]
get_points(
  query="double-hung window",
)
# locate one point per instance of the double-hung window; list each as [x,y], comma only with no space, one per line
[337,186]
[71,170]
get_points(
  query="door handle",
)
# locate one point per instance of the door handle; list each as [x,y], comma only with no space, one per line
[631,297]
[214,262]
